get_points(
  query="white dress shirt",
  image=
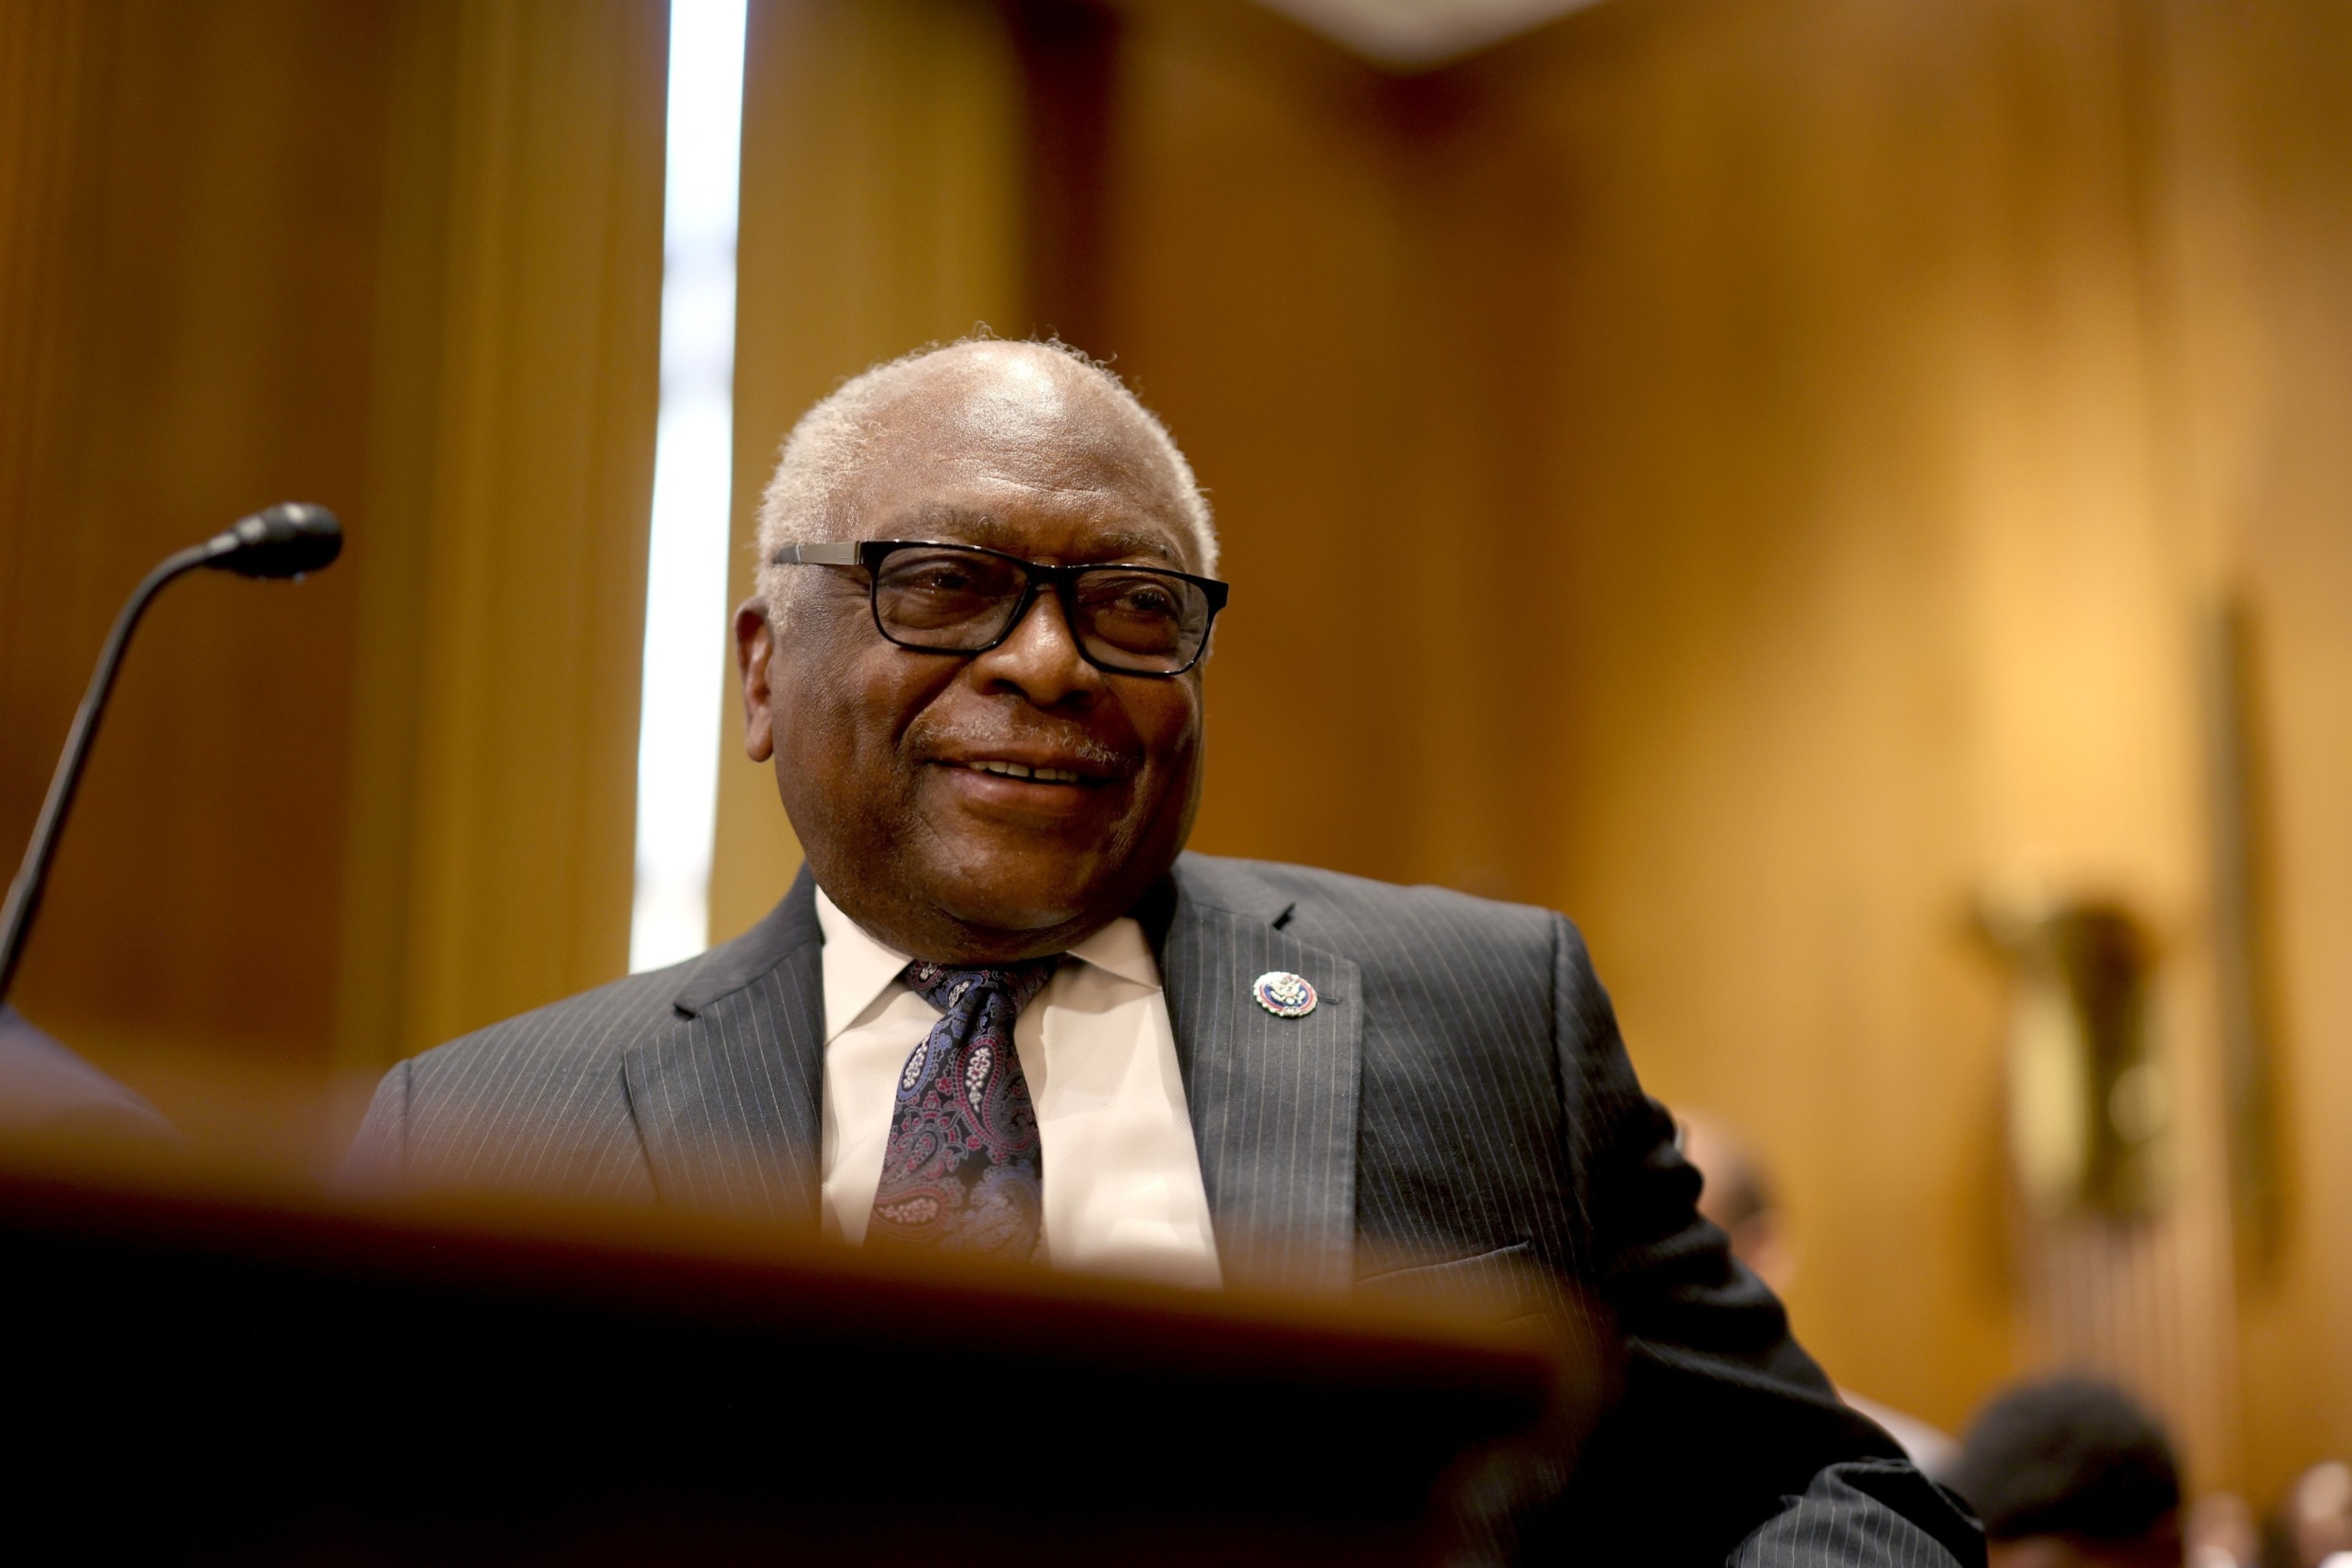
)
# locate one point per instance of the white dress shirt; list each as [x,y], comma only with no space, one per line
[1121,1174]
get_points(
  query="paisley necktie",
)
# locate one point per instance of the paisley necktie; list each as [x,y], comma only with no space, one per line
[962,1170]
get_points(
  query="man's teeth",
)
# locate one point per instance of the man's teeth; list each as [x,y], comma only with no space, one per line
[1015,771]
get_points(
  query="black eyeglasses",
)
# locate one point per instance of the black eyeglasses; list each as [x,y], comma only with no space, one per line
[959,598]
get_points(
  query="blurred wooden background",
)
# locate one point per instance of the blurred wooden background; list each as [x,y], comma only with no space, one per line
[403,258]
[1753,476]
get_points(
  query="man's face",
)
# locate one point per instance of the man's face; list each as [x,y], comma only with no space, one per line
[881,752]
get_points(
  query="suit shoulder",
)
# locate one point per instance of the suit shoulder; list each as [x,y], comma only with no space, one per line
[530,1059]
[591,1025]
[1365,909]
[536,1103]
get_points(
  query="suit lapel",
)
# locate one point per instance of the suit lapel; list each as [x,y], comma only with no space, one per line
[727,1098]
[1272,1100]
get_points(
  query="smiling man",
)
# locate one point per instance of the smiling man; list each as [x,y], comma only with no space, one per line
[974,660]
[1001,1013]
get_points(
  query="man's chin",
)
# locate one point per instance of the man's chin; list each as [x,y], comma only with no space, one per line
[1013,912]
[1031,894]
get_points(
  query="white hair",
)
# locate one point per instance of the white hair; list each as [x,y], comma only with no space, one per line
[801,503]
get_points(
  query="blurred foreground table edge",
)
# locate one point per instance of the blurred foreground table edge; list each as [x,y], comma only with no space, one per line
[219,1373]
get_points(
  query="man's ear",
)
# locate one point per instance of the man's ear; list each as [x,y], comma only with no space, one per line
[755,645]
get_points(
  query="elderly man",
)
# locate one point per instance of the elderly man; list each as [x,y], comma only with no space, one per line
[1001,1013]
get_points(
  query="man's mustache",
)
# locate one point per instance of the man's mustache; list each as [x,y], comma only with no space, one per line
[962,737]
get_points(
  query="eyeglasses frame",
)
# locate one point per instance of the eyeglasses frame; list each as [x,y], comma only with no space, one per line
[1035,575]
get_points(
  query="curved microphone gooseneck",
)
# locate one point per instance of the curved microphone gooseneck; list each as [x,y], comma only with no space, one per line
[283,541]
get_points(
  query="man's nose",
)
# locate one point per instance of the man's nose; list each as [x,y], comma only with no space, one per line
[1040,659]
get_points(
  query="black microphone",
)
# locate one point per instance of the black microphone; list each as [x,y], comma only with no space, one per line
[284,541]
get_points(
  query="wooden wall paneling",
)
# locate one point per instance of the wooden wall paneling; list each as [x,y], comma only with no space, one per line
[2254,230]
[1751,781]
[1069,52]
[2082,644]
[881,210]
[495,715]
[187,236]
[1258,299]
[1859,335]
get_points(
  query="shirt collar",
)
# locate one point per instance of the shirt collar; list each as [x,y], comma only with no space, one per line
[857,968]
[1119,949]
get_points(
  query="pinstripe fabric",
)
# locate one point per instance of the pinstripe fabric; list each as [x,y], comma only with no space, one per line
[1851,1513]
[1458,1103]
[1274,1104]
[727,1100]
[694,1085]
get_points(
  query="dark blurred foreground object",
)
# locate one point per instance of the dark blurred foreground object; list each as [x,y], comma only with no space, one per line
[287,540]
[46,1090]
[216,1379]
[2072,1471]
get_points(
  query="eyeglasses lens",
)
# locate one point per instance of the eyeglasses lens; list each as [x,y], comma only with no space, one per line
[1141,620]
[947,599]
[953,600]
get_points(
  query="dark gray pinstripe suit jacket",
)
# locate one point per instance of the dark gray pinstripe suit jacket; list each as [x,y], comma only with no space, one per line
[1460,1094]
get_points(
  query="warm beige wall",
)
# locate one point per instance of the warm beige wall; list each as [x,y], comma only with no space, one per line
[1870,606]
[2254,246]
[490,857]
[1880,604]
[403,258]
[188,260]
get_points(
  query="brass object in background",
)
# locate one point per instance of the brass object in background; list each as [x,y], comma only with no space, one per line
[2089,1104]
[2241,932]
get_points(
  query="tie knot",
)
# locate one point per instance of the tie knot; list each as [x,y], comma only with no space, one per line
[948,989]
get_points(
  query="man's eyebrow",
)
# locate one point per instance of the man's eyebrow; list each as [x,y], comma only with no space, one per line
[937,514]
[977,527]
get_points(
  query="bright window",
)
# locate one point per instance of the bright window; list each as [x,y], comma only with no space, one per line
[686,577]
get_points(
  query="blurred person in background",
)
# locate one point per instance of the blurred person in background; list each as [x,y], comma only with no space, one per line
[1740,1199]
[2312,1527]
[2070,1473]
[2218,1531]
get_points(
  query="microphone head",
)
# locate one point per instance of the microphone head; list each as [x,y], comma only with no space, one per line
[283,541]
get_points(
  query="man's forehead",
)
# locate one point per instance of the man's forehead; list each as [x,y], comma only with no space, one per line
[1006,385]
[1013,410]
[992,451]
